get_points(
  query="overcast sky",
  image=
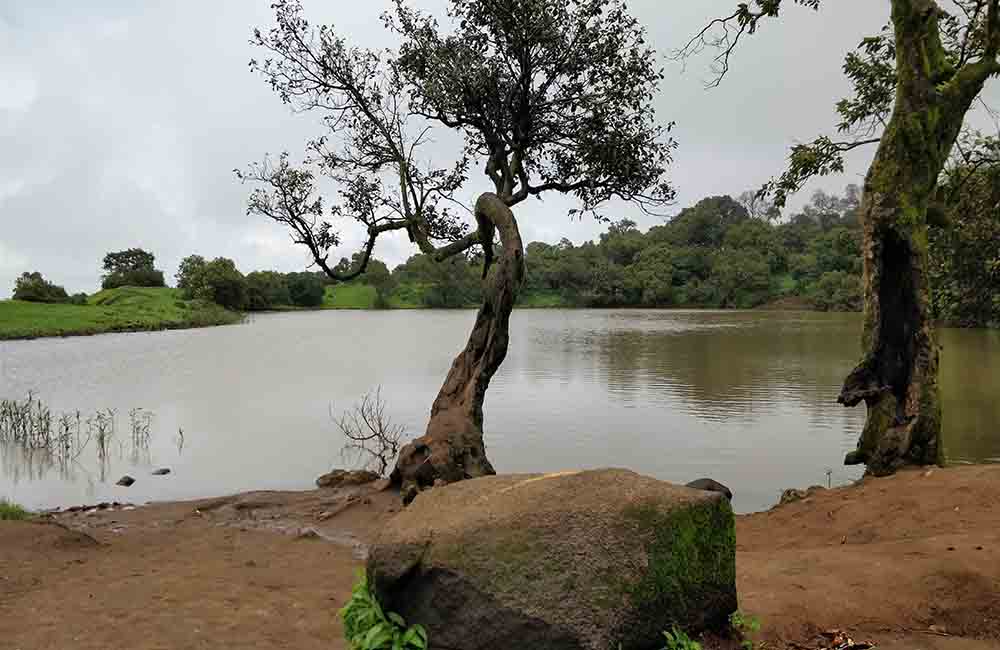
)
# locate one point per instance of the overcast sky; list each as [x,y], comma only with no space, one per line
[121,122]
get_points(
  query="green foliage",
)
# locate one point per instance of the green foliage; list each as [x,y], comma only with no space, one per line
[835,291]
[306,289]
[745,628]
[964,266]
[368,627]
[125,309]
[267,290]
[10,511]
[32,287]
[189,273]
[218,281]
[677,639]
[456,282]
[131,268]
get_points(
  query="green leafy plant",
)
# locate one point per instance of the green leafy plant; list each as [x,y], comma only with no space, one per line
[745,628]
[368,627]
[677,639]
[10,511]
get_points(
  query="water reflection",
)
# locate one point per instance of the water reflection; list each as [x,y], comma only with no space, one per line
[745,397]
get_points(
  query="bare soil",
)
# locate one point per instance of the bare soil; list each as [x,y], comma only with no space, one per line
[911,562]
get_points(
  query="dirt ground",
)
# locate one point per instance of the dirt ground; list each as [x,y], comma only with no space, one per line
[911,562]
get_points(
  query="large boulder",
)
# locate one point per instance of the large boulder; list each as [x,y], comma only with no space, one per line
[568,561]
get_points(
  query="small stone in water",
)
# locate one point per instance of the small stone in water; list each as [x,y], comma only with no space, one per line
[125,481]
[163,471]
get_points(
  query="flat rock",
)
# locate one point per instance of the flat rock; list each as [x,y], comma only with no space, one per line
[342,478]
[568,561]
[163,471]
[795,494]
[125,481]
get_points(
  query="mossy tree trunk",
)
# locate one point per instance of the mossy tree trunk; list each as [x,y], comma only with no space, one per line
[452,449]
[897,377]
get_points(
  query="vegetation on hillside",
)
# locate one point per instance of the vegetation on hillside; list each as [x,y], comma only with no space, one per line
[125,309]
[131,268]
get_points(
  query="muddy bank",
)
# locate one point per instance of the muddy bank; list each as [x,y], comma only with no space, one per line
[911,561]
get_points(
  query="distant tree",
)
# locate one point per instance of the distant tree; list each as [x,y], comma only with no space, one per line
[133,267]
[740,279]
[549,96]
[189,274]
[704,224]
[267,290]
[306,289]
[759,236]
[758,206]
[218,281]
[32,287]
[650,279]
[836,291]
[622,242]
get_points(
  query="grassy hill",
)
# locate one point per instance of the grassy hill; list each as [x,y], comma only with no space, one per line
[126,309]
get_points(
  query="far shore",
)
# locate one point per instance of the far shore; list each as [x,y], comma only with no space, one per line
[134,309]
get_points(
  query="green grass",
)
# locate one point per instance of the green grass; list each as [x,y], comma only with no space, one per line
[12,512]
[411,296]
[126,309]
[356,295]
[349,296]
[542,300]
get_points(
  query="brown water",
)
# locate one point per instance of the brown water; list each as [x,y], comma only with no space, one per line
[745,397]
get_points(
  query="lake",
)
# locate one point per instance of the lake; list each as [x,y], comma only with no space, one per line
[748,398]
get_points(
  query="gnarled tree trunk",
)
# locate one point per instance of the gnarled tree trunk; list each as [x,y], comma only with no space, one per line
[452,449]
[898,374]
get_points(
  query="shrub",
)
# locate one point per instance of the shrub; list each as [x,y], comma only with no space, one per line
[306,289]
[218,281]
[266,290]
[134,278]
[836,291]
[367,627]
[32,287]
[12,512]
[78,299]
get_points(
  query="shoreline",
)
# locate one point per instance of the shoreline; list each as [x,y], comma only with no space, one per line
[910,561]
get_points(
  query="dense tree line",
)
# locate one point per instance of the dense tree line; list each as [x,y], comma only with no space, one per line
[219,281]
[735,253]
[720,253]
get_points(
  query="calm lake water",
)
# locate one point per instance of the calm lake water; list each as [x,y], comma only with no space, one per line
[748,398]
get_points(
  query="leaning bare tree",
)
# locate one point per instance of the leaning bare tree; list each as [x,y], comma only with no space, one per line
[550,96]
[913,86]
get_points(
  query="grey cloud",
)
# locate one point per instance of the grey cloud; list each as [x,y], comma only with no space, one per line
[121,122]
